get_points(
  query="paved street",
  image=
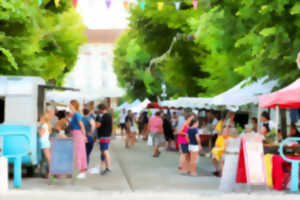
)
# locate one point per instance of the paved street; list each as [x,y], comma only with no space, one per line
[136,175]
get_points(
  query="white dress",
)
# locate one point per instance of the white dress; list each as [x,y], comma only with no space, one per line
[231,158]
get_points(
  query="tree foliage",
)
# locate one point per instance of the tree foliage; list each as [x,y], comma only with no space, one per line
[258,38]
[234,40]
[153,32]
[39,40]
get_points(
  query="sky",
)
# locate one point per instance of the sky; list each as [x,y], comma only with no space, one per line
[96,15]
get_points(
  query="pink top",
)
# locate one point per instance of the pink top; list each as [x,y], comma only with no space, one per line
[155,124]
[182,138]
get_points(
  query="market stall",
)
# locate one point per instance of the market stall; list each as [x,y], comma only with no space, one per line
[244,93]
[277,169]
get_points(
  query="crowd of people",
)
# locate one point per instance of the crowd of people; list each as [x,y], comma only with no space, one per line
[175,130]
[86,126]
[166,128]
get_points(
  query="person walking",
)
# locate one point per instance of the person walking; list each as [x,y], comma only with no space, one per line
[79,137]
[156,132]
[168,131]
[145,125]
[89,125]
[194,146]
[128,124]
[104,125]
[122,122]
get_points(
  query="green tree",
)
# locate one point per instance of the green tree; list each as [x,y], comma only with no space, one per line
[154,32]
[39,40]
[249,38]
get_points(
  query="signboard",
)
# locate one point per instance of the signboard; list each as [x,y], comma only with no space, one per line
[62,157]
[252,145]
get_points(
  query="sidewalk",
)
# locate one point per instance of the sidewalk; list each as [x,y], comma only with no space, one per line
[137,175]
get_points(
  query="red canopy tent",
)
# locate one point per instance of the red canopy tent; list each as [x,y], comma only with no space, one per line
[154,105]
[288,97]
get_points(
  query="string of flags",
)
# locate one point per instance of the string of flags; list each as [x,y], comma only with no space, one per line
[142,4]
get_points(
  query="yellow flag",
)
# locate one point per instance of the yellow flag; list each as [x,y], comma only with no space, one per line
[160,5]
[56,3]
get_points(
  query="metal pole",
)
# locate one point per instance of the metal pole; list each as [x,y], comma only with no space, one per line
[277,123]
[258,119]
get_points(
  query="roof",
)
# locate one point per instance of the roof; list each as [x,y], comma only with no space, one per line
[103,36]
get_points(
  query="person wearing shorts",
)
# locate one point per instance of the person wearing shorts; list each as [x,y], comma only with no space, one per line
[194,146]
[104,125]
[184,145]
[156,132]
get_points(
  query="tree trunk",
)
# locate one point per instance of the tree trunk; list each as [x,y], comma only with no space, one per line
[283,123]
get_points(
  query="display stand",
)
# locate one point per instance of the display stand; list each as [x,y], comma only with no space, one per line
[62,159]
[251,165]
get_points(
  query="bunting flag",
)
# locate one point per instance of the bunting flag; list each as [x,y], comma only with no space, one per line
[143,5]
[195,4]
[108,3]
[177,5]
[125,3]
[160,5]
[75,2]
[56,2]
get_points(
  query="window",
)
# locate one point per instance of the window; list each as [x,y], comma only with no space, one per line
[2,109]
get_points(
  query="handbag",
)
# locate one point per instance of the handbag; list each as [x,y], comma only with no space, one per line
[149,142]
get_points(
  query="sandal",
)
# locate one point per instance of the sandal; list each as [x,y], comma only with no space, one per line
[185,174]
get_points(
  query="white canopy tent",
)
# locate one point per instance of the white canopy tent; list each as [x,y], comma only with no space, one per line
[141,106]
[244,93]
[123,105]
[187,102]
[241,94]
[136,103]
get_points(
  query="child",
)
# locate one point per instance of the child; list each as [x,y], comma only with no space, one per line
[194,146]
[44,133]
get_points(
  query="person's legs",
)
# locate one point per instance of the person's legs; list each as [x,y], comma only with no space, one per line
[102,156]
[145,132]
[122,130]
[127,139]
[47,155]
[156,143]
[89,147]
[185,164]
[132,139]
[193,163]
[107,159]
[185,158]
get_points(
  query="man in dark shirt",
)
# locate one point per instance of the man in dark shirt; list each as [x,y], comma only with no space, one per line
[104,125]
